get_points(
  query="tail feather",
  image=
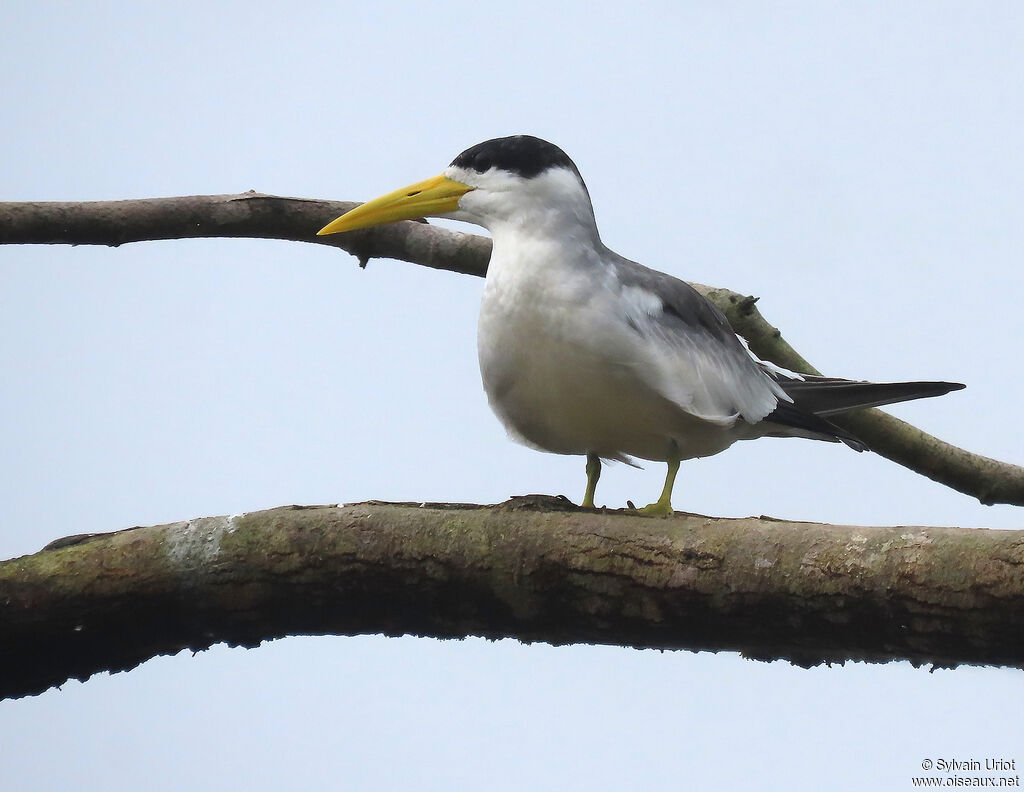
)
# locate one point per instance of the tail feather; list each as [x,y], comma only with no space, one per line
[794,422]
[816,398]
[823,396]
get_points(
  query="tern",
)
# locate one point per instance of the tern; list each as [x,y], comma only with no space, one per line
[585,352]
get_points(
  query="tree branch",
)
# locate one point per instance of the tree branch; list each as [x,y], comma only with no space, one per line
[535,569]
[250,214]
[266,216]
[987,479]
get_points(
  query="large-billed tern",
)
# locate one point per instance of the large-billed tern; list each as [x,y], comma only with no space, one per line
[585,352]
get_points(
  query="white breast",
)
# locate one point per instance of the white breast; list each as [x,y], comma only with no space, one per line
[562,369]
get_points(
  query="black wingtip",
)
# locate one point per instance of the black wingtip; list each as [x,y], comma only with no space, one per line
[929,389]
[823,396]
[816,399]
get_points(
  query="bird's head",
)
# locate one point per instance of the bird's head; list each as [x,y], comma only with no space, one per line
[518,182]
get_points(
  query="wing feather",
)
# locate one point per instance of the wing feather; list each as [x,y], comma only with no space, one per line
[692,356]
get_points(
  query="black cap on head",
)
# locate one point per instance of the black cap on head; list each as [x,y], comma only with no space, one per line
[523,155]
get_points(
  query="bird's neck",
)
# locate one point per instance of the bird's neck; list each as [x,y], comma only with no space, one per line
[564,228]
[535,258]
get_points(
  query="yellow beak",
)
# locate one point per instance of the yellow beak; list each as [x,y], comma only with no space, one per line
[435,196]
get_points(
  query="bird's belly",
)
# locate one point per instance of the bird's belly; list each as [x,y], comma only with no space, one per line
[559,386]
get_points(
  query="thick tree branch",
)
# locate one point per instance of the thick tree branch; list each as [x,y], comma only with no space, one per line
[266,216]
[536,569]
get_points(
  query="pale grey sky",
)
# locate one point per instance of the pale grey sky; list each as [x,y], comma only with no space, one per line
[857,166]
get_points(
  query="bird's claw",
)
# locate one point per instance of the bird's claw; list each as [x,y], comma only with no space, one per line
[656,509]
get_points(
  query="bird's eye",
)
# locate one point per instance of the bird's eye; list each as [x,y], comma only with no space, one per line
[414,192]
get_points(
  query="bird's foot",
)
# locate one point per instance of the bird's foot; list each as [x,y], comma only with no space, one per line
[660,508]
[663,506]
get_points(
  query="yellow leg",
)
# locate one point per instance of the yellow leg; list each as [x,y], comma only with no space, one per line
[593,474]
[663,505]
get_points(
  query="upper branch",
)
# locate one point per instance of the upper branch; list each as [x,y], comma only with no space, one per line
[266,216]
[250,214]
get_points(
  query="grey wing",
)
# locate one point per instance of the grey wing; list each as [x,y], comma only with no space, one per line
[691,354]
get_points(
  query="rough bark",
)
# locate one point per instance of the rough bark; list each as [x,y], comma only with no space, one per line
[535,569]
[267,216]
